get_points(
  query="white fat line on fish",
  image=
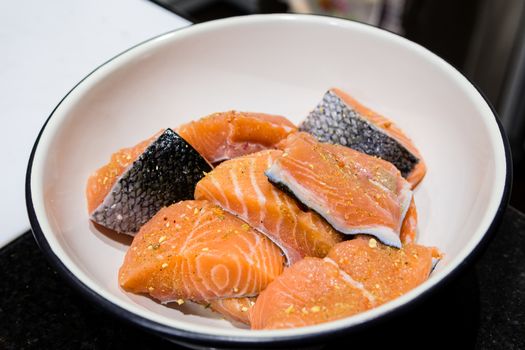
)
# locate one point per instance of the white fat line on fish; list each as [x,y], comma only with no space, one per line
[217,273]
[190,236]
[288,293]
[290,206]
[384,210]
[206,282]
[238,191]
[239,269]
[189,281]
[382,187]
[252,249]
[271,269]
[305,166]
[260,197]
[384,234]
[406,196]
[313,176]
[251,280]
[206,194]
[353,282]
[262,230]
[303,194]
[276,195]
[217,185]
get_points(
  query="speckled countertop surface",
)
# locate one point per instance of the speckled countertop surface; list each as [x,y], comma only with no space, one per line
[483,308]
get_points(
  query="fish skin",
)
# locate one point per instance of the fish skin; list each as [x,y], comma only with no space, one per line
[102,180]
[240,187]
[166,172]
[354,192]
[339,119]
[226,135]
[194,250]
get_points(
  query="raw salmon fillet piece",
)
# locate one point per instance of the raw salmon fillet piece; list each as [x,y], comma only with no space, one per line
[312,291]
[355,276]
[231,134]
[356,193]
[125,193]
[340,119]
[234,309]
[385,272]
[240,187]
[195,250]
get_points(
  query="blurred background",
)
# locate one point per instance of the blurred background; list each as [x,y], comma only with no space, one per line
[482,38]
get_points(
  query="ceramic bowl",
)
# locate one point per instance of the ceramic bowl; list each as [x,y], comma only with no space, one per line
[279,64]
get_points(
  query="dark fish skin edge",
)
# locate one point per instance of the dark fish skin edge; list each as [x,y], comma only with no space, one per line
[167,172]
[335,122]
[283,187]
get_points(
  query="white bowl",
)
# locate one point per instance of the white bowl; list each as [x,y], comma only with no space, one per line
[278,64]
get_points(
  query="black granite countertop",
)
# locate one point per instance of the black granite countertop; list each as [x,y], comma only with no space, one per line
[483,308]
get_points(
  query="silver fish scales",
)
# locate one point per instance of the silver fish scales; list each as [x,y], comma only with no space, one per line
[335,122]
[165,173]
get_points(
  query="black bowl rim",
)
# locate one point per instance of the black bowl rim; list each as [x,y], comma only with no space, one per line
[196,338]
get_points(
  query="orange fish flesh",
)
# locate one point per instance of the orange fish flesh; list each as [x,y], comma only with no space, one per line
[240,187]
[357,275]
[194,250]
[356,193]
[226,135]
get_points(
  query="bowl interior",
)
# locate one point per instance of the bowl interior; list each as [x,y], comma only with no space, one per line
[276,64]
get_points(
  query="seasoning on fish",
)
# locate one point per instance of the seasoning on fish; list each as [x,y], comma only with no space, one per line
[355,276]
[385,272]
[124,194]
[235,309]
[354,192]
[309,292]
[226,135]
[340,119]
[240,187]
[202,255]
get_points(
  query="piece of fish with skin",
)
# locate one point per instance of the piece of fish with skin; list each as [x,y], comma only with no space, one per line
[164,173]
[227,135]
[240,187]
[340,119]
[354,192]
[194,250]
[102,180]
